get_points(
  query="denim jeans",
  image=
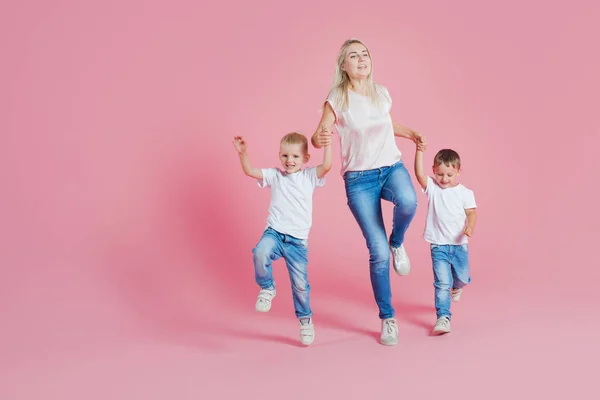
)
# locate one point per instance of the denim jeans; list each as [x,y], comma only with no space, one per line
[450,271]
[364,191]
[274,245]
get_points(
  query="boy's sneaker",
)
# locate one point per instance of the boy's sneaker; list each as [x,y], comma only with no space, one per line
[441,326]
[307,331]
[389,332]
[264,299]
[401,261]
[455,294]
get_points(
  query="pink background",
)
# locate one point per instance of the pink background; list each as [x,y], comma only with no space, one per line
[127,225]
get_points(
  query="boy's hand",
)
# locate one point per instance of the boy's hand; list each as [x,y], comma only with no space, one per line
[421,146]
[419,139]
[324,136]
[468,231]
[240,144]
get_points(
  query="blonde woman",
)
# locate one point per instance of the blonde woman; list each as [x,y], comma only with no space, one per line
[372,168]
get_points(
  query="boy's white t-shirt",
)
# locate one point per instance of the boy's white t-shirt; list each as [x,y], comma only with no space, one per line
[290,210]
[366,132]
[446,216]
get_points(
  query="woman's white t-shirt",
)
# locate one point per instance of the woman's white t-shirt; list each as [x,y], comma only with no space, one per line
[366,132]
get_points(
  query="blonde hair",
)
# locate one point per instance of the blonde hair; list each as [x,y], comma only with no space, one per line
[341,80]
[296,138]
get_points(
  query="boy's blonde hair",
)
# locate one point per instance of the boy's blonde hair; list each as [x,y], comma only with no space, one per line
[296,138]
[447,157]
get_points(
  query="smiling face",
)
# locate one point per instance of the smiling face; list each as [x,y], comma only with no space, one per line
[446,168]
[292,157]
[446,175]
[357,61]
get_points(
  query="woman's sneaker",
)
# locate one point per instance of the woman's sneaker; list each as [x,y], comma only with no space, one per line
[401,261]
[264,299]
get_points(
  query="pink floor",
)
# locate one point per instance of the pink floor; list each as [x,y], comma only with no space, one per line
[156,330]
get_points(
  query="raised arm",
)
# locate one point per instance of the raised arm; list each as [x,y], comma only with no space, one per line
[240,145]
[322,135]
[419,173]
[326,164]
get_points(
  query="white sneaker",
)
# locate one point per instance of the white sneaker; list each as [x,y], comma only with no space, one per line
[401,261]
[389,332]
[455,294]
[264,299]
[441,326]
[307,332]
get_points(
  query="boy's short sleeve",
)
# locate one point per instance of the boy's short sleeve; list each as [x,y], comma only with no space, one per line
[429,187]
[314,179]
[269,175]
[469,199]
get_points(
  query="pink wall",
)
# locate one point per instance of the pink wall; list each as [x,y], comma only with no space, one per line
[124,210]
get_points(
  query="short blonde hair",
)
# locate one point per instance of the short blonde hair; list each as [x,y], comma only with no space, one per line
[296,138]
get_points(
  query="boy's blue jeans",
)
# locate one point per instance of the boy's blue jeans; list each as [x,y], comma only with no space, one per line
[364,191]
[450,271]
[274,245]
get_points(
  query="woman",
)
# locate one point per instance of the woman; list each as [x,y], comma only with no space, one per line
[372,169]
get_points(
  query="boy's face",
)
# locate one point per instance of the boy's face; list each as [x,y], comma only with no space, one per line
[446,175]
[292,157]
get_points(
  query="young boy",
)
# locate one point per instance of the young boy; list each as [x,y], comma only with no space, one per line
[451,218]
[288,223]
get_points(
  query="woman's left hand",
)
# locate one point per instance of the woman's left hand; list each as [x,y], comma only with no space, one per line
[419,139]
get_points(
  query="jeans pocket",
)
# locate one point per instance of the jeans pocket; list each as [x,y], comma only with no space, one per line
[351,176]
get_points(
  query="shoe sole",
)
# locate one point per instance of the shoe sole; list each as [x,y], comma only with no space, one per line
[388,343]
[402,272]
[311,342]
[440,332]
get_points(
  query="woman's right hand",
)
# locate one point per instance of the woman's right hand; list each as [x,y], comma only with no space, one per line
[324,136]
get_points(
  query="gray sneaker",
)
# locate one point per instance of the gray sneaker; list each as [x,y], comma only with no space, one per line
[441,326]
[264,299]
[401,261]
[389,332]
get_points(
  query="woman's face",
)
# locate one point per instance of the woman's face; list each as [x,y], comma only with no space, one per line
[357,62]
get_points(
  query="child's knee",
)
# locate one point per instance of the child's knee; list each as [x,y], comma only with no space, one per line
[301,286]
[261,254]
